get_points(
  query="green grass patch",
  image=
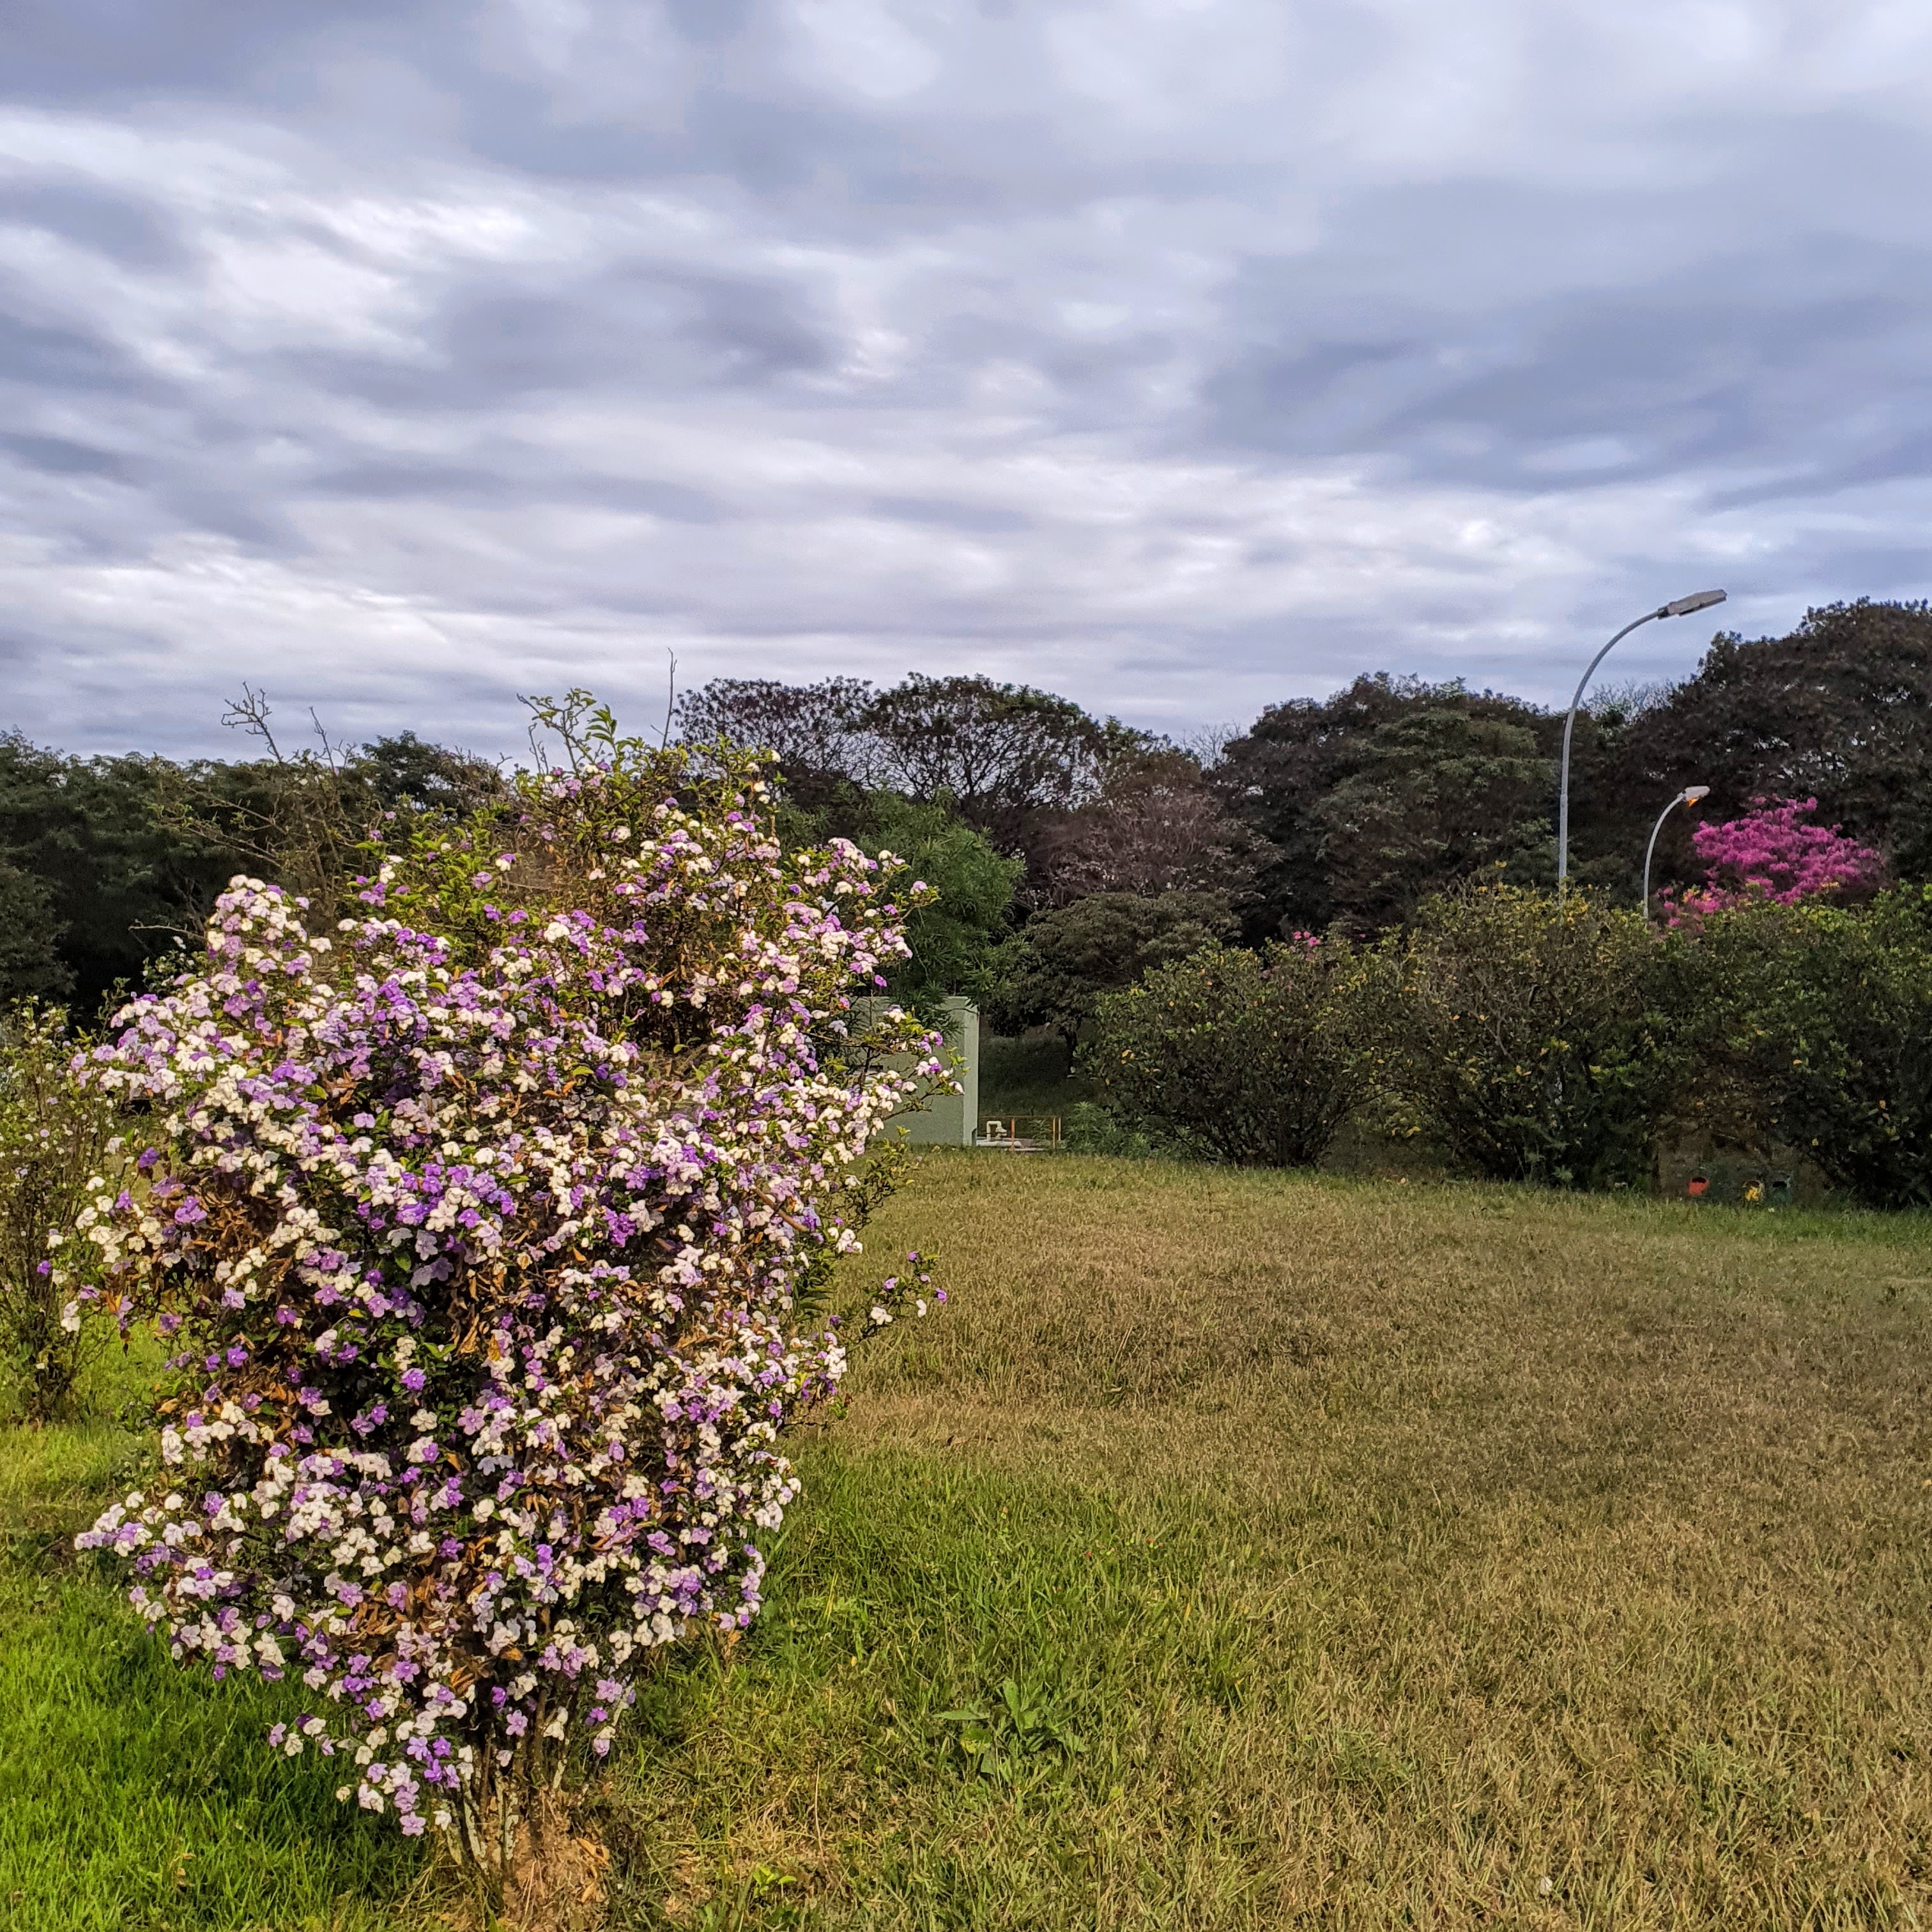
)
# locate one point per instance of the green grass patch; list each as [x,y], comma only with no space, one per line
[134,1794]
[1237,1550]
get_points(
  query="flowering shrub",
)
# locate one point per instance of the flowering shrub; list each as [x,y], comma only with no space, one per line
[1772,853]
[486,1230]
[57,1141]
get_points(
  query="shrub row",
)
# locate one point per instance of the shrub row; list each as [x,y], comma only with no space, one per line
[1548,1039]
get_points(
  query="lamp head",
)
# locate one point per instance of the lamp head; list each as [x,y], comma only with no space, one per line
[1682,607]
[1692,793]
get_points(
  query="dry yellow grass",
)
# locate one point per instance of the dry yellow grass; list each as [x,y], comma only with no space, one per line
[1403,1556]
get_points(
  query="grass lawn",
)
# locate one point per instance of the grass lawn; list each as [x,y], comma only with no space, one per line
[1359,1554]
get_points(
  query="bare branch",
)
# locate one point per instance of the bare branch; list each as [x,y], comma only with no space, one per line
[249,713]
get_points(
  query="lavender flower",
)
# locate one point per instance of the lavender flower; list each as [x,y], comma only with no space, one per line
[482,1220]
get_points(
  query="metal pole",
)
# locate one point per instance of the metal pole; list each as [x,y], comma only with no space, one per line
[1569,725]
[1689,795]
[1678,606]
[1652,847]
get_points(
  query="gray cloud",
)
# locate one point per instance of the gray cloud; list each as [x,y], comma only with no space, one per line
[55,356]
[92,50]
[403,356]
[130,230]
[57,457]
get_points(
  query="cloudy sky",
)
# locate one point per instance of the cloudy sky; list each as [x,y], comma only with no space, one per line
[398,356]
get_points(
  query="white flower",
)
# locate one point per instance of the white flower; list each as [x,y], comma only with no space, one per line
[580,1391]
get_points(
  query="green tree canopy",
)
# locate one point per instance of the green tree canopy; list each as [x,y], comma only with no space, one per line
[1065,959]
[1839,709]
[117,857]
[1437,795]
[958,938]
[1330,861]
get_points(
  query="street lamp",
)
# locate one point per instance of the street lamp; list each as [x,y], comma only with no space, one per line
[1690,795]
[1680,607]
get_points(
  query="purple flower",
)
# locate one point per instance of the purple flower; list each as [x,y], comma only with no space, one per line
[462,1157]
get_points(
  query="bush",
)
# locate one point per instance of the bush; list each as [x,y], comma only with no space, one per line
[1536,1034]
[57,1143]
[1090,1129]
[1825,1012]
[481,1230]
[1253,1057]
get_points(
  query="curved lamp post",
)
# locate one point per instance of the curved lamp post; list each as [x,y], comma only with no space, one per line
[1680,607]
[1690,795]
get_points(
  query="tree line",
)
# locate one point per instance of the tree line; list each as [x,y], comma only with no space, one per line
[1071,854]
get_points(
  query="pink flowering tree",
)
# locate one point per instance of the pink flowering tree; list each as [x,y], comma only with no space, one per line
[487,1233]
[1774,854]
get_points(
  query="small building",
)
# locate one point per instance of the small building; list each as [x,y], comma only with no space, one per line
[949,1119]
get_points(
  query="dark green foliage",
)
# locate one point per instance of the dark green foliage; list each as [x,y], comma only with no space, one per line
[1031,1074]
[1825,1011]
[1369,807]
[31,965]
[407,775]
[1840,710]
[1065,959]
[1532,1033]
[1254,1057]
[1087,1127]
[122,857]
[1332,785]
[299,818]
[56,1138]
[117,879]
[1440,795]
